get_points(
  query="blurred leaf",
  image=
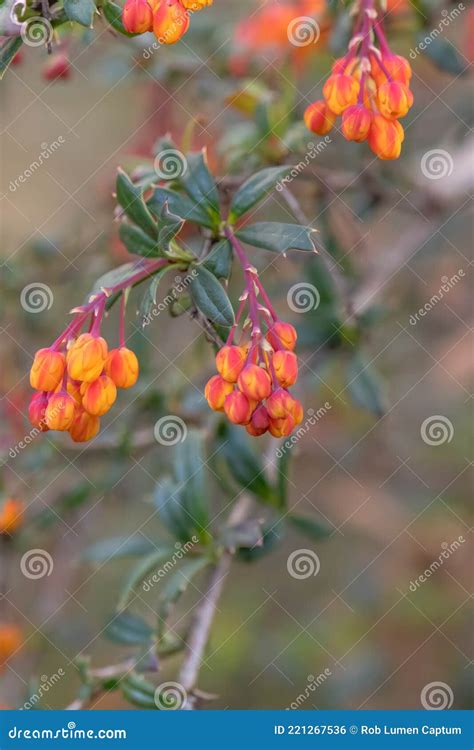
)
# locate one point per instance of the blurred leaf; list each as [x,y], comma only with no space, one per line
[180,205]
[137,690]
[113,14]
[149,298]
[8,50]
[243,461]
[219,260]
[210,298]
[246,534]
[200,185]
[128,629]
[131,199]
[444,55]
[314,529]
[278,237]
[189,469]
[81,11]
[138,242]
[66,503]
[272,534]
[176,584]
[144,568]
[283,468]
[118,547]
[169,503]
[365,386]
[254,190]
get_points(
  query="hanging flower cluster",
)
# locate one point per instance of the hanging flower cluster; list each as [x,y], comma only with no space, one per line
[77,377]
[168,19]
[256,372]
[369,87]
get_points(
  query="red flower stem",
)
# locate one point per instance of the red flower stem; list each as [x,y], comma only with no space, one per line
[122,320]
[384,46]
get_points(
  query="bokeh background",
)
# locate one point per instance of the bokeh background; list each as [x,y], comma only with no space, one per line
[392,500]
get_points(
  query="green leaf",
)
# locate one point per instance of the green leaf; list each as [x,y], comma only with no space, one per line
[115,276]
[272,534]
[131,199]
[168,500]
[169,224]
[365,386]
[128,629]
[138,242]
[81,11]
[210,298]
[118,547]
[149,298]
[113,14]
[180,205]
[141,571]
[189,468]
[254,190]
[314,529]
[219,260]
[8,50]
[200,185]
[247,534]
[139,691]
[444,55]
[176,584]
[244,462]
[283,467]
[277,237]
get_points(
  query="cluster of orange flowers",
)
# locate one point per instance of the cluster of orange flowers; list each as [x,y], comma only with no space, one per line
[369,87]
[77,386]
[168,19]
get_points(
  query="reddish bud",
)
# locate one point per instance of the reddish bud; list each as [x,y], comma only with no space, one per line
[340,91]
[47,370]
[385,137]
[318,118]
[122,366]
[170,21]
[36,411]
[86,358]
[11,515]
[282,335]
[11,640]
[216,391]
[281,427]
[238,408]
[137,16]
[394,99]
[285,365]
[98,396]
[356,122]
[255,382]
[259,423]
[84,427]
[230,361]
[59,414]
[279,404]
[58,67]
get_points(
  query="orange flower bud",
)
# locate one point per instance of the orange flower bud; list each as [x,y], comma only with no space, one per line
[394,99]
[230,361]
[195,5]
[258,425]
[73,387]
[86,358]
[98,397]
[281,427]
[60,411]
[340,91]
[122,367]
[282,335]
[356,122]
[47,370]
[11,640]
[385,137]
[238,408]
[36,411]
[297,412]
[216,391]
[11,515]
[255,382]
[285,365]
[170,21]
[84,427]
[398,67]
[318,117]
[137,16]
[279,404]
